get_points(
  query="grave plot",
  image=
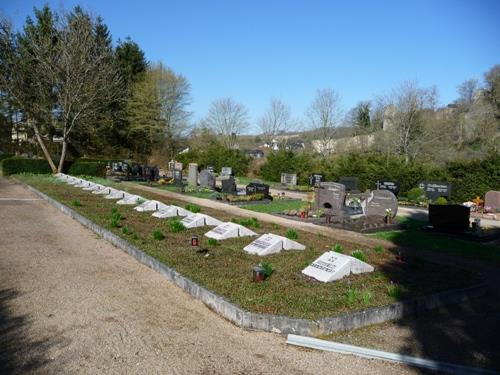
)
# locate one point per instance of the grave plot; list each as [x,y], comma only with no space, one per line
[73,181]
[82,184]
[151,205]
[116,195]
[105,191]
[333,266]
[171,211]
[94,187]
[131,199]
[199,220]
[271,244]
[229,230]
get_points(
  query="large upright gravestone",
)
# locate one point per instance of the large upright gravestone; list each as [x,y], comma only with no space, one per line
[229,186]
[350,183]
[178,178]
[330,197]
[449,218]
[333,266]
[434,190]
[289,179]
[193,174]
[207,179]
[392,186]
[492,200]
[379,202]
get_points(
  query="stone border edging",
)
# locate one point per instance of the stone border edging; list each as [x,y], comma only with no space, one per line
[268,322]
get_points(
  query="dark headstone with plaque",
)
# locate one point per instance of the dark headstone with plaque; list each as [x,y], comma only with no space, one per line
[177,177]
[381,203]
[258,188]
[330,197]
[434,190]
[350,183]
[229,185]
[392,186]
[315,179]
[449,217]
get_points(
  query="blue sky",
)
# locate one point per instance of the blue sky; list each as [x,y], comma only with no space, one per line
[255,50]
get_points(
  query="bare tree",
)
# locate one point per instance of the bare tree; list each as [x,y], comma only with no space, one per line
[276,120]
[466,91]
[406,109]
[227,118]
[325,115]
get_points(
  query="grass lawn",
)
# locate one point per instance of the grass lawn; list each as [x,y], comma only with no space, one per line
[227,270]
[415,237]
[275,206]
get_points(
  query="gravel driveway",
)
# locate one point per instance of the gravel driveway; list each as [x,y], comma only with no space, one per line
[70,302]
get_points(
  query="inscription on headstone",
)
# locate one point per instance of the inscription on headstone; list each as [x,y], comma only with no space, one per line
[229,230]
[270,244]
[434,190]
[258,188]
[289,179]
[379,202]
[333,266]
[229,186]
[330,197]
[392,186]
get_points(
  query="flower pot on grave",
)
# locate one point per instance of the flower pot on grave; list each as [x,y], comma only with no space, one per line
[302,215]
[258,274]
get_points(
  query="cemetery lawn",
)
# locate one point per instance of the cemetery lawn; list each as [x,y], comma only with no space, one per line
[277,205]
[415,236]
[227,271]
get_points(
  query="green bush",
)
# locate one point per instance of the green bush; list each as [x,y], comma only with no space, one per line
[359,254]
[252,222]
[287,161]
[394,291]
[158,235]
[338,248]
[193,208]
[212,242]
[88,168]
[19,165]
[292,234]
[268,269]
[378,249]
[441,201]
[176,226]
[5,156]
[76,203]
[416,195]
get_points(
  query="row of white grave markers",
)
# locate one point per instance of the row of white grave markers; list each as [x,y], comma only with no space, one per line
[328,267]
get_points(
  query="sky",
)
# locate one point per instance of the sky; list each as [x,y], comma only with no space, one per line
[255,50]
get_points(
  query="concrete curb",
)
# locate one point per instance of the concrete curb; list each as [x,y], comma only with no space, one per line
[268,322]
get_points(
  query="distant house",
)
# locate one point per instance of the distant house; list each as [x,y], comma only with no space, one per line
[296,145]
[255,154]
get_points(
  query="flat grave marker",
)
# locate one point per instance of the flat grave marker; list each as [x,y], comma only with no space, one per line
[229,230]
[151,205]
[199,220]
[171,211]
[271,244]
[332,266]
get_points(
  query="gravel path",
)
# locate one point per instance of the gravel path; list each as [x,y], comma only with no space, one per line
[71,302]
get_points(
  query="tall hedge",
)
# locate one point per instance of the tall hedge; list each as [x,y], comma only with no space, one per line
[285,161]
[21,165]
[88,168]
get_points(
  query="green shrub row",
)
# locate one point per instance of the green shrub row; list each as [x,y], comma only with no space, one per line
[88,168]
[22,165]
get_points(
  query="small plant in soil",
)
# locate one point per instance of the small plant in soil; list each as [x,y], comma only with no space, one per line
[359,254]
[114,210]
[252,222]
[378,249]
[352,295]
[338,248]
[135,236]
[193,208]
[126,230]
[366,296]
[176,226]
[158,235]
[115,223]
[394,291]
[76,203]
[212,242]
[292,234]
[268,269]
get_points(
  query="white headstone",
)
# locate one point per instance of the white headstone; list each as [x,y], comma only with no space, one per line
[229,230]
[271,244]
[151,206]
[199,220]
[105,191]
[82,183]
[73,181]
[116,195]
[94,187]
[131,199]
[333,266]
[172,211]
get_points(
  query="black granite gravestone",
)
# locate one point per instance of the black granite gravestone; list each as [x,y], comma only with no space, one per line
[449,218]
[350,183]
[258,188]
[434,190]
[229,186]
[315,179]
[392,186]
